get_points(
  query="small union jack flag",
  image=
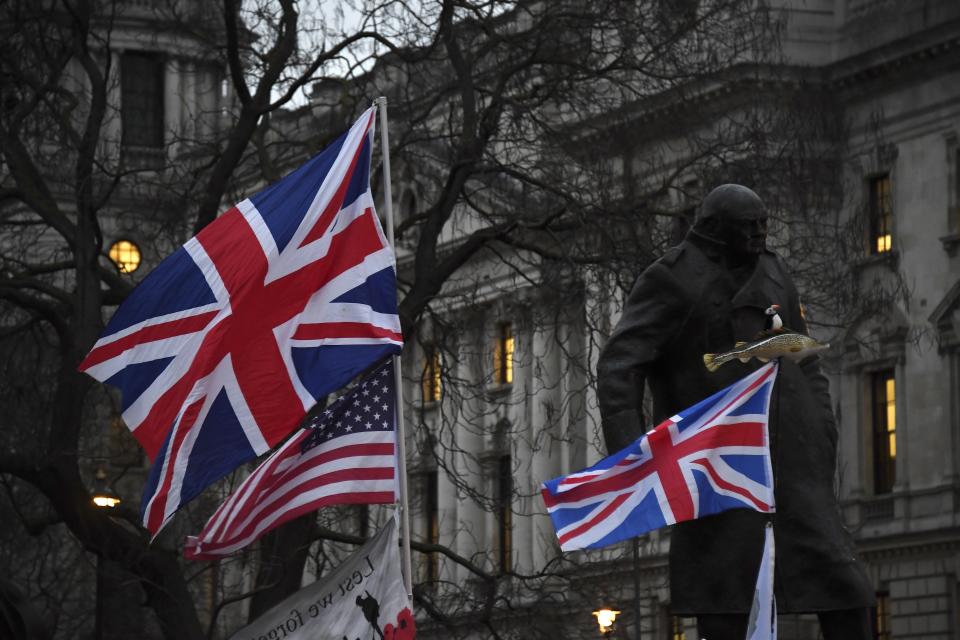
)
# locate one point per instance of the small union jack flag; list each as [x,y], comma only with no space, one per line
[709,458]
[224,347]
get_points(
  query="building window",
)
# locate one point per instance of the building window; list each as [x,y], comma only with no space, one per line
[881,617]
[676,631]
[126,255]
[504,513]
[430,381]
[881,214]
[142,99]
[432,524]
[503,355]
[884,403]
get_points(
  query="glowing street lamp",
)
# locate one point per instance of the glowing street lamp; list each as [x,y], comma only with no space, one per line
[605,618]
[103,497]
[126,255]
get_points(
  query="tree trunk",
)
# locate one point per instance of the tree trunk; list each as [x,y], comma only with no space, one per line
[283,554]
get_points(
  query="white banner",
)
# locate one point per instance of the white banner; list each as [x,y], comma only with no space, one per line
[763,614]
[362,599]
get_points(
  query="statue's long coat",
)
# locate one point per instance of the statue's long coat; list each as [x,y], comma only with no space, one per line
[687,304]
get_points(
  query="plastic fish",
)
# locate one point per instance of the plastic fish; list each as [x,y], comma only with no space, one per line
[795,346]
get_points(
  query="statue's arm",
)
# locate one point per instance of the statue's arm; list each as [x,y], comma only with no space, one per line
[652,316]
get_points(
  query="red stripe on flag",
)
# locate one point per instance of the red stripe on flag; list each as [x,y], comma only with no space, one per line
[336,202]
[299,469]
[747,434]
[152,333]
[707,466]
[154,515]
[212,550]
[324,330]
[265,306]
[250,488]
[589,524]
[250,518]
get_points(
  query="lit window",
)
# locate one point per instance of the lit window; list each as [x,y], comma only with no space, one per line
[676,628]
[503,355]
[430,382]
[884,400]
[504,513]
[126,255]
[881,617]
[881,215]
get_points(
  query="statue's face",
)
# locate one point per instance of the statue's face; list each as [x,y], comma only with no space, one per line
[744,229]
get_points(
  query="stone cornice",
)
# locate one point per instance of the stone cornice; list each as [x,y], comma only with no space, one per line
[926,50]
[735,86]
[901,57]
[941,541]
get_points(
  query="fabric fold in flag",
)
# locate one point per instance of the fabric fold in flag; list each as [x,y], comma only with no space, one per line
[364,597]
[709,458]
[223,348]
[347,455]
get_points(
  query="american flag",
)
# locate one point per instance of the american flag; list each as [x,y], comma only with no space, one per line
[709,458]
[224,347]
[345,456]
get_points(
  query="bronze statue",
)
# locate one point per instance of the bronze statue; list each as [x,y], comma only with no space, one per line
[704,295]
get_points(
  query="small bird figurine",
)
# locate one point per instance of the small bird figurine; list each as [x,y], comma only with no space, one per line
[773,318]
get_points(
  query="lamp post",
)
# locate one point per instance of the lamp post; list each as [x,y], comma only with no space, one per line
[637,614]
[103,498]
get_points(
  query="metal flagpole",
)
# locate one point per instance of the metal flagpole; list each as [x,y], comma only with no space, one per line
[381,104]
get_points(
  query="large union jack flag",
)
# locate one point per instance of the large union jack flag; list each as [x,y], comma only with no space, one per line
[224,347]
[709,458]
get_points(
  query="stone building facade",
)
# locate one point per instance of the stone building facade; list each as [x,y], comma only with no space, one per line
[163,98]
[500,384]
[892,71]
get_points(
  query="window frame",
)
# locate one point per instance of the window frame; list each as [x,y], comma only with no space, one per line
[880,618]
[883,406]
[880,213]
[677,630]
[504,512]
[431,512]
[504,357]
[431,383]
[142,128]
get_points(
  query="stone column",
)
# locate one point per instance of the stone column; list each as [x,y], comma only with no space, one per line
[172,99]
[543,432]
[188,98]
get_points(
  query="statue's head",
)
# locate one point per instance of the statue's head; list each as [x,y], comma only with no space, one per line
[735,216]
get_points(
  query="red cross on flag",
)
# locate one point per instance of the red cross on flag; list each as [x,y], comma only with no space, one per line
[224,347]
